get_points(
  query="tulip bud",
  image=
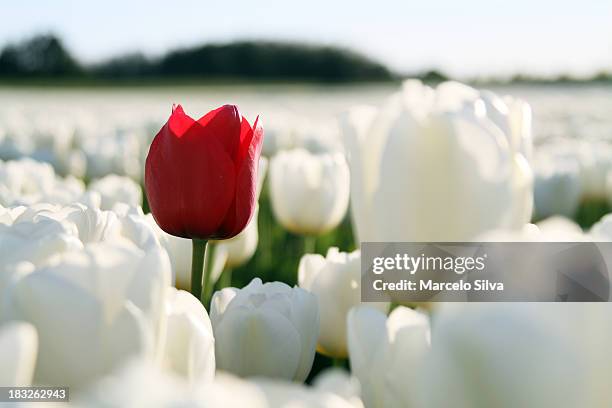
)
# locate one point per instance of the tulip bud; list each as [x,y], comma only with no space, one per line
[309,192]
[190,345]
[266,330]
[442,164]
[557,187]
[201,176]
[595,163]
[336,282]
[386,353]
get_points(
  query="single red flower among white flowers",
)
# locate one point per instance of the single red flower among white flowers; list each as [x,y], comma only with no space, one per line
[201,176]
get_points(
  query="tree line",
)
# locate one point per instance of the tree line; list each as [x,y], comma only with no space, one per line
[45,56]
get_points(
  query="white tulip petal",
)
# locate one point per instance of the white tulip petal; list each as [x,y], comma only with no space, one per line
[18,350]
[262,344]
[189,344]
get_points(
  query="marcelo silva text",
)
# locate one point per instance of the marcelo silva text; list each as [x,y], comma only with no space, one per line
[408,285]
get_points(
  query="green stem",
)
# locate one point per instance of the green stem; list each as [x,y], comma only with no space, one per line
[197,265]
[338,362]
[225,281]
[208,284]
[310,244]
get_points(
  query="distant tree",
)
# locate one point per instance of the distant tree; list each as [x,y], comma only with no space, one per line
[269,60]
[434,76]
[603,76]
[127,66]
[43,55]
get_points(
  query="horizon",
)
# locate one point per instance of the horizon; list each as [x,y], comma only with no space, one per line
[474,40]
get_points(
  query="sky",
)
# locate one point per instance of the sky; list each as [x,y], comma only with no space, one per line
[464,38]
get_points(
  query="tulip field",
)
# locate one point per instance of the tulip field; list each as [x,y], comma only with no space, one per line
[111,197]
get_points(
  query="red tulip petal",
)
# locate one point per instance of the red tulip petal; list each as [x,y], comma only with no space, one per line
[249,136]
[179,122]
[224,124]
[242,208]
[190,183]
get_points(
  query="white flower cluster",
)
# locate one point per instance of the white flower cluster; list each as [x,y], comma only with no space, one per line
[77,143]
[84,291]
[27,182]
[570,172]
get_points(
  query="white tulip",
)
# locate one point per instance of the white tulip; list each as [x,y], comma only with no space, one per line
[35,240]
[87,224]
[92,309]
[338,381]
[336,282]
[557,188]
[179,252]
[511,115]
[593,160]
[36,233]
[239,249]
[309,192]
[139,383]
[386,353]
[520,124]
[602,229]
[560,229]
[27,244]
[190,345]
[280,135]
[588,327]
[318,136]
[26,181]
[435,165]
[115,189]
[18,348]
[478,352]
[136,227]
[595,164]
[266,330]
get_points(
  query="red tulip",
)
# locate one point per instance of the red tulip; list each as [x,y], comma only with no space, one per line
[200,176]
